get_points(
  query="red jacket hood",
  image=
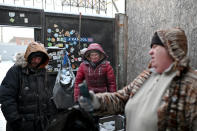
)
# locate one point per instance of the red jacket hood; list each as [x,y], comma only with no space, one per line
[94,46]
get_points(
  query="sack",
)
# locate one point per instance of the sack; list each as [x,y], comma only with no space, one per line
[64,88]
[73,120]
[56,123]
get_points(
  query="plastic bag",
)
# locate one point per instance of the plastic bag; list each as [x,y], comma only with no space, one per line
[64,88]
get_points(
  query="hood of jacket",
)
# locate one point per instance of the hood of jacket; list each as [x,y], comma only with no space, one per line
[97,47]
[22,58]
[175,41]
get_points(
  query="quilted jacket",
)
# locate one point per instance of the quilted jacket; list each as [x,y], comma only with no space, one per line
[100,78]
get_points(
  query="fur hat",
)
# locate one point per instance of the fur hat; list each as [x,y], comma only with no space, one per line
[175,41]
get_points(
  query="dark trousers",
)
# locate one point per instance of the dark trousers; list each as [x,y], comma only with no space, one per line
[25,126]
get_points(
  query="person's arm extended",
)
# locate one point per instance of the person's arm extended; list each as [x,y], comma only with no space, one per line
[114,103]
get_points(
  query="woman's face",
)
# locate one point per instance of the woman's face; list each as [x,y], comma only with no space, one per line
[160,59]
[94,57]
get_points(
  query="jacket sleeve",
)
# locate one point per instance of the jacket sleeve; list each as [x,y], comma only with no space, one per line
[114,103]
[79,79]
[111,79]
[9,94]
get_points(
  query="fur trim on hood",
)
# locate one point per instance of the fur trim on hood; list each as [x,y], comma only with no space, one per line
[175,41]
[20,60]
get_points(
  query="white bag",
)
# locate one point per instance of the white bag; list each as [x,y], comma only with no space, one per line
[64,87]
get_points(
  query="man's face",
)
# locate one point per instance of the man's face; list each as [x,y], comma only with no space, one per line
[35,61]
[160,59]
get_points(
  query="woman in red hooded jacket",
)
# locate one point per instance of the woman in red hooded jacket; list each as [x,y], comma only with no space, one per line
[96,70]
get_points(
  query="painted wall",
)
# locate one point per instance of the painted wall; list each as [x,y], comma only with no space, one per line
[146,16]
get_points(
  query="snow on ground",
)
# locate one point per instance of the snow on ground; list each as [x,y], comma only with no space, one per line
[4,66]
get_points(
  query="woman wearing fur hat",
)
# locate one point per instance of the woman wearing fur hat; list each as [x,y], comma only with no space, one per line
[96,71]
[162,98]
[24,93]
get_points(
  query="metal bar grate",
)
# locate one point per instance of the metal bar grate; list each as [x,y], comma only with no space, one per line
[97,6]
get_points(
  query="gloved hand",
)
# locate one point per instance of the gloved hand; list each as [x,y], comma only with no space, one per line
[89,104]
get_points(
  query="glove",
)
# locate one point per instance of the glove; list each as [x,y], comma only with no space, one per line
[89,104]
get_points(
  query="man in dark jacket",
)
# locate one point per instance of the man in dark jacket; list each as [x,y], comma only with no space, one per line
[24,93]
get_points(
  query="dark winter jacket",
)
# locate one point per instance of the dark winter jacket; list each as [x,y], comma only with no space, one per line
[25,95]
[100,78]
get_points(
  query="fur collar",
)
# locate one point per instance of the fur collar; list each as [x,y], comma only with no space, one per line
[20,60]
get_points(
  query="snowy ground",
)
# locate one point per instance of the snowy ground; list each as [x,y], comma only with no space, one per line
[4,66]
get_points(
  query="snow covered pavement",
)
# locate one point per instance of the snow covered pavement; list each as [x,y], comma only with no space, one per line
[4,66]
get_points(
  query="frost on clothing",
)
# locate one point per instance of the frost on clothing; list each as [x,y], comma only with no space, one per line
[100,78]
[178,108]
